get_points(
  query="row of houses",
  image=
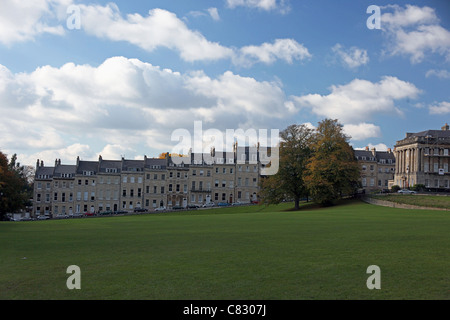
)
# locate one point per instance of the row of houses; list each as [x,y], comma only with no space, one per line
[228,177]
[124,185]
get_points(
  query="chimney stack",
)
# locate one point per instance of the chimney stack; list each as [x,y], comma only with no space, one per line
[445,127]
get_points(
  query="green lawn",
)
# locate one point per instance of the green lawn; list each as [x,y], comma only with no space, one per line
[232,253]
[433,201]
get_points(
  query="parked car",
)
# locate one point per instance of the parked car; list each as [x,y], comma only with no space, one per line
[26,219]
[106,213]
[193,206]
[43,217]
[61,216]
[89,214]
[161,209]
[140,210]
[75,215]
[208,205]
[120,212]
[177,207]
[223,204]
[406,191]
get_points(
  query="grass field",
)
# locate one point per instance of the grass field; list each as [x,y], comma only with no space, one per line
[433,201]
[255,252]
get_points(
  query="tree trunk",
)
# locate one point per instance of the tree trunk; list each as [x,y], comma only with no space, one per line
[297,203]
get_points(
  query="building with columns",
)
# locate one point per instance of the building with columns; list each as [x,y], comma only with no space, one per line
[423,158]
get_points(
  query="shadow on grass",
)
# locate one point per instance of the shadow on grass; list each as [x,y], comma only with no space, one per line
[310,206]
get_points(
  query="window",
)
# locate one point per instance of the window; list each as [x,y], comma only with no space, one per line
[132,193]
[63,197]
[55,198]
[139,179]
[162,190]
[216,196]
[131,179]
[155,189]
[216,183]
[124,179]
[140,192]
[86,195]
[170,187]
[224,170]
[124,193]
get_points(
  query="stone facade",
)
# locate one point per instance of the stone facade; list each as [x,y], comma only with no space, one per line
[377,169]
[423,158]
[124,185]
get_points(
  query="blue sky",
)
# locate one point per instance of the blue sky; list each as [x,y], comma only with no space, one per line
[136,71]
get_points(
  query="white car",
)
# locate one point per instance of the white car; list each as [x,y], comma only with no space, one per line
[208,205]
[42,217]
[160,209]
[406,191]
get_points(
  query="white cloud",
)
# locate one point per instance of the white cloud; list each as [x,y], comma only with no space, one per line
[160,28]
[24,20]
[214,13]
[267,5]
[282,49]
[378,147]
[442,74]
[353,57]
[362,131]
[126,105]
[358,100]
[440,108]
[414,32]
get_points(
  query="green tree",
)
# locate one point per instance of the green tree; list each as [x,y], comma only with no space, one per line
[287,183]
[333,170]
[14,188]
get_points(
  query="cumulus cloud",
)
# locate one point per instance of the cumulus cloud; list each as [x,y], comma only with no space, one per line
[359,99]
[267,5]
[282,49]
[362,131]
[415,31]
[440,108]
[356,102]
[352,57]
[160,28]
[24,20]
[442,74]
[125,104]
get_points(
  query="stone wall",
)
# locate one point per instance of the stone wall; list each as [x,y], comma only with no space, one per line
[385,203]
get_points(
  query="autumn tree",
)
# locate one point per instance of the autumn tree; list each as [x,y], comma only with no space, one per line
[333,170]
[14,188]
[288,182]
